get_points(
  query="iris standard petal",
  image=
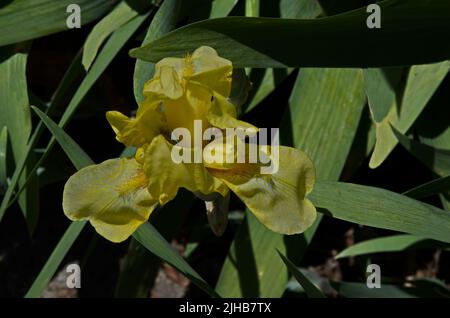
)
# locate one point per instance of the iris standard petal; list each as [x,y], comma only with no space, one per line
[277,200]
[191,106]
[140,130]
[165,176]
[112,195]
[165,83]
[212,70]
[204,66]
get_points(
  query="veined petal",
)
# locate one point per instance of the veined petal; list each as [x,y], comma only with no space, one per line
[165,176]
[165,83]
[203,66]
[111,195]
[212,70]
[277,200]
[192,106]
[223,114]
[138,131]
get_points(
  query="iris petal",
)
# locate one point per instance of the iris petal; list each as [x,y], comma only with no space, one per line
[223,114]
[204,66]
[149,122]
[165,83]
[111,195]
[166,176]
[277,200]
[212,70]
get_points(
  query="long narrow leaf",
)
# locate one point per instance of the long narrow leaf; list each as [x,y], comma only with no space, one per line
[22,20]
[436,159]
[3,156]
[120,15]
[394,243]
[148,236]
[381,85]
[439,185]
[337,41]
[55,259]
[312,291]
[265,81]
[15,115]
[76,155]
[221,8]
[422,82]
[381,208]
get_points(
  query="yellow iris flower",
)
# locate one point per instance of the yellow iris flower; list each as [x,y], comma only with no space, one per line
[118,195]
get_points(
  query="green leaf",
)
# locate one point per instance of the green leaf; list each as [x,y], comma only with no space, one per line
[312,291]
[332,7]
[111,48]
[3,158]
[55,259]
[382,209]
[221,8]
[252,8]
[325,106]
[436,159]
[433,285]
[15,115]
[433,125]
[323,103]
[418,288]
[338,41]
[394,243]
[146,234]
[22,20]
[120,15]
[140,268]
[265,81]
[422,82]
[381,85]
[300,9]
[436,186]
[164,21]
[77,155]
[358,290]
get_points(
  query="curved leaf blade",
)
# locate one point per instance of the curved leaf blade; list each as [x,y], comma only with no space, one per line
[15,115]
[120,15]
[22,20]
[55,259]
[338,41]
[436,159]
[436,186]
[3,158]
[394,243]
[422,82]
[312,291]
[381,208]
